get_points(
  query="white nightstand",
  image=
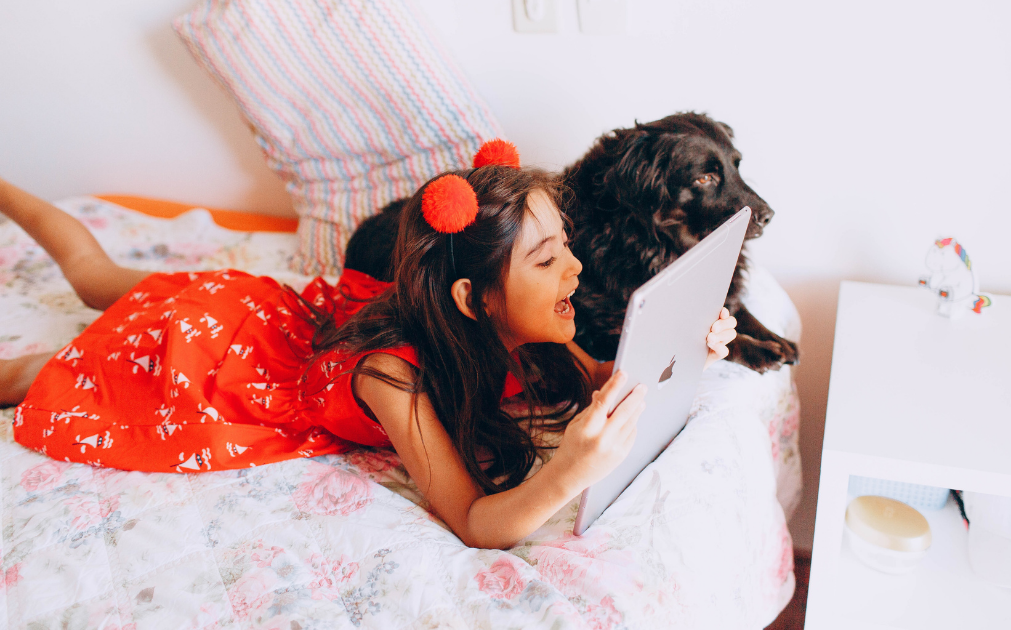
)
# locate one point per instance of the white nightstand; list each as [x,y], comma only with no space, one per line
[918,398]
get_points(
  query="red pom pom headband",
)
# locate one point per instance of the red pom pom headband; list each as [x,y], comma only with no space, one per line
[497,152]
[449,204]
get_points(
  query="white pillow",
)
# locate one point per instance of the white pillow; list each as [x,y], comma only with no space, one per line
[354,102]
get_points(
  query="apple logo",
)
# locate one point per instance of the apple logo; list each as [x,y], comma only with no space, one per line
[666,374]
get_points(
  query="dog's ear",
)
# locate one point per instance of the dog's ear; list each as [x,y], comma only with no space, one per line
[726,127]
[643,176]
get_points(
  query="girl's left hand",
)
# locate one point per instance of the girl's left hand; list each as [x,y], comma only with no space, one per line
[722,332]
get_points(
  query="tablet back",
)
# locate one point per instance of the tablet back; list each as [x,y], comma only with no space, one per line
[663,344]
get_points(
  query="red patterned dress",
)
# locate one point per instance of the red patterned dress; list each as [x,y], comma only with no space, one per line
[202,371]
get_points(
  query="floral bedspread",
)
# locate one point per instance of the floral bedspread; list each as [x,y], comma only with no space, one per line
[699,540]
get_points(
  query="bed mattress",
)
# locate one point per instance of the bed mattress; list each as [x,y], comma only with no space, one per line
[699,540]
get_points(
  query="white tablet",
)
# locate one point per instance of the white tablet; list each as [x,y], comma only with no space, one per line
[663,344]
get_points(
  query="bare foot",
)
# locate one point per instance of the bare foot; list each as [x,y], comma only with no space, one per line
[17,375]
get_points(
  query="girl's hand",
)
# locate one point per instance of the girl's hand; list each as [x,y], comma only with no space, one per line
[723,332]
[594,443]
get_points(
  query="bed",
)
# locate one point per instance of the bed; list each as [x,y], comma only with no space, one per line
[699,540]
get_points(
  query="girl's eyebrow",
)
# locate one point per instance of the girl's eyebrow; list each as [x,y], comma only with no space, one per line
[538,247]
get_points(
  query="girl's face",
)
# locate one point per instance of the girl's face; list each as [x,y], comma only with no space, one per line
[542,277]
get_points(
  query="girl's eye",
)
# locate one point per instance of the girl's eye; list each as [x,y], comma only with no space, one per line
[548,262]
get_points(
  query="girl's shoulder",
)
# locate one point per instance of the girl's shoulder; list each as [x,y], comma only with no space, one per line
[403,360]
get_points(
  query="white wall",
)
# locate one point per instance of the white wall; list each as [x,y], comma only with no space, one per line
[101,97]
[870,127]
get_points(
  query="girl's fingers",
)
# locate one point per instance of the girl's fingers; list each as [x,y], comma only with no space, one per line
[722,324]
[723,337]
[630,408]
[626,439]
[608,394]
[603,400]
[598,422]
[633,418]
[627,431]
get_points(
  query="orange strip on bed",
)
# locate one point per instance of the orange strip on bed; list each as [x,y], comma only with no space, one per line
[229,219]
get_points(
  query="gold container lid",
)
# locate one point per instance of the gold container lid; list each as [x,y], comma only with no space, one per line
[888,523]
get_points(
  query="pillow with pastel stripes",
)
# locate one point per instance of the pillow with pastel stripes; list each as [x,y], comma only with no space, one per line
[355,103]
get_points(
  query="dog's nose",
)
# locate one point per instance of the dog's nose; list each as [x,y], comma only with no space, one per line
[763,218]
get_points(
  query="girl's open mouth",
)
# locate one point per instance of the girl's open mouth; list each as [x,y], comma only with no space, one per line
[564,307]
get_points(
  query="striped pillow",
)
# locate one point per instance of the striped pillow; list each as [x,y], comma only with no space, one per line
[354,102]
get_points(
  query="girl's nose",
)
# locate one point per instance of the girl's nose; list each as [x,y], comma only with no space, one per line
[577,267]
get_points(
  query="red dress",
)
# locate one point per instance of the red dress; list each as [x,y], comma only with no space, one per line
[202,371]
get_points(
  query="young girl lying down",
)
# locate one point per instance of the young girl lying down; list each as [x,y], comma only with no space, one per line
[189,372]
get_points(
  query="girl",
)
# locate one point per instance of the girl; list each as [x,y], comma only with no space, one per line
[205,371]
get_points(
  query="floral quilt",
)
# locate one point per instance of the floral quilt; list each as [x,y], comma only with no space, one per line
[699,540]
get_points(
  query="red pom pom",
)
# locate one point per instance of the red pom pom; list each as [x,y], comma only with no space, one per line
[449,204]
[497,152]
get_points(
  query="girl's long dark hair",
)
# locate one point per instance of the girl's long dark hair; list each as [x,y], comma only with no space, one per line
[463,362]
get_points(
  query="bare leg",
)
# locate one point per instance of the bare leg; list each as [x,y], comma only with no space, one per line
[97,280]
[16,376]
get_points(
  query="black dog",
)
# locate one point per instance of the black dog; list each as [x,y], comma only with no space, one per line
[639,198]
[643,196]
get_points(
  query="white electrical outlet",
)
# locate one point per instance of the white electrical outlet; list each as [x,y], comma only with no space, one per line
[602,17]
[535,16]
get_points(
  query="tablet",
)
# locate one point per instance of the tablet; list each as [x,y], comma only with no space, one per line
[663,344]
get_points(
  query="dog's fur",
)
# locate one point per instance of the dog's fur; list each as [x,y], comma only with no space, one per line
[638,199]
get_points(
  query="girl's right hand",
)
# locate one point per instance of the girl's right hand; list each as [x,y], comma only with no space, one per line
[594,443]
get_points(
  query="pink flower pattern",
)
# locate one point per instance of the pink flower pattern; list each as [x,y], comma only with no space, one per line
[330,575]
[584,564]
[774,437]
[265,557]
[501,580]
[603,616]
[44,476]
[89,511]
[11,576]
[784,568]
[95,223]
[791,421]
[373,461]
[206,618]
[330,490]
[9,350]
[249,593]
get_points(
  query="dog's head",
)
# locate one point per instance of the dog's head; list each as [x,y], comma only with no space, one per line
[679,172]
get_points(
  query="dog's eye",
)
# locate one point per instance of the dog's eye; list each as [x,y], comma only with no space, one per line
[705,180]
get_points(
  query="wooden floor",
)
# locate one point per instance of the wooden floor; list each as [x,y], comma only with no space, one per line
[792,617]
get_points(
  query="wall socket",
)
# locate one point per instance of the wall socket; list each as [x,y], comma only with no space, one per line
[602,17]
[536,16]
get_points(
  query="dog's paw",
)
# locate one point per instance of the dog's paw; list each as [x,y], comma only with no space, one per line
[760,356]
[791,354]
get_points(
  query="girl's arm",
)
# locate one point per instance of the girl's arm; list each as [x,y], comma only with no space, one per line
[593,444]
[599,372]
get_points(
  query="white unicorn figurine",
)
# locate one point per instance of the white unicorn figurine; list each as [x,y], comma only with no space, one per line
[953,278]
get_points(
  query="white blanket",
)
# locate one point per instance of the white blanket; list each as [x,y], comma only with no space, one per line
[699,540]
